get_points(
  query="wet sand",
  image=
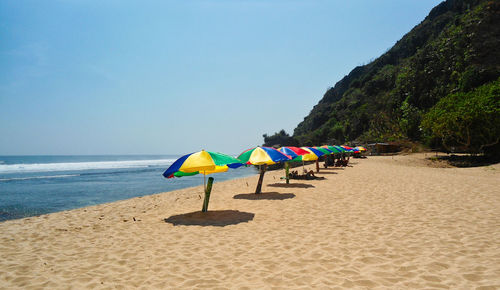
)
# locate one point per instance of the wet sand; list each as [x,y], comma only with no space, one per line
[384,222]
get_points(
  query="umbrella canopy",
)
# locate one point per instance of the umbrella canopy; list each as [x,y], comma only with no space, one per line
[347,148]
[204,162]
[334,149]
[341,149]
[204,172]
[262,155]
[325,151]
[201,162]
[293,152]
[360,148]
[313,155]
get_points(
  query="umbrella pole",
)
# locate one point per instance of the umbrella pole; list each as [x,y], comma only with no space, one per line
[303,166]
[207,194]
[261,178]
[287,172]
[317,165]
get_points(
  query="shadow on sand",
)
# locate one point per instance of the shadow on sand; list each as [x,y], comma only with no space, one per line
[291,185]
[219,218]
[264,195]
[326,172]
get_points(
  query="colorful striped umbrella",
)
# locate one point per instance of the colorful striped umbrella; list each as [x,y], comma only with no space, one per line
[325,151]
[315,151]
[204,172]
[341,149]
[293,152]
[204,162]
[319,152]
[262,156]
[347,148]
[334,149]
[312,155]
[360,148]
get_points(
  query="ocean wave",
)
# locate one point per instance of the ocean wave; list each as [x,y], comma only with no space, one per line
[75,166]
[38,177]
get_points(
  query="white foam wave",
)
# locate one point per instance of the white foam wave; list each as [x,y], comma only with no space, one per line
[38,177]
[71,166]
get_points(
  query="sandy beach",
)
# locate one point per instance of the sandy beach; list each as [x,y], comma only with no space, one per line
[383,222]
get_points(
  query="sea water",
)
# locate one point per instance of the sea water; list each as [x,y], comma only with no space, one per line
[34,185]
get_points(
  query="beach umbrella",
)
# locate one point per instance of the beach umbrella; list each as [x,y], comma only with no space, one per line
[325,152]
[202,162]
[347,148]
[293,152]
[360,148]
[341,149]
[262,156]
[334,149]
[204,172]
[313,155]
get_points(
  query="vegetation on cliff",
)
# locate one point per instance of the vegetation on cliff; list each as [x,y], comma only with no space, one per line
[467,120]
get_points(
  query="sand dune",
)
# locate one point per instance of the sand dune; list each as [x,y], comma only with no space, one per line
[385,222]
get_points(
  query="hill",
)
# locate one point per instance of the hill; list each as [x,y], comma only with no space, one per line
[455,49]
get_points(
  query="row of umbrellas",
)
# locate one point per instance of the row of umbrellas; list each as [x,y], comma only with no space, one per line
[207,162]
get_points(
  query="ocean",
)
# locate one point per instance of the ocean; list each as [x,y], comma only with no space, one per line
[35,185]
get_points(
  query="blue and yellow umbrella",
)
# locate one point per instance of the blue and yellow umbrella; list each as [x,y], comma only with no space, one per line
[262,156]
[292,152]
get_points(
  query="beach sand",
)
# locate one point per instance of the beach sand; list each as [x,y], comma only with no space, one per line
[384,222]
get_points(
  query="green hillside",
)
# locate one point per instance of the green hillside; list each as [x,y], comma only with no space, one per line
[454,50]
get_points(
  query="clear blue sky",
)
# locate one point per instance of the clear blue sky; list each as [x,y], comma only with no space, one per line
[172,77]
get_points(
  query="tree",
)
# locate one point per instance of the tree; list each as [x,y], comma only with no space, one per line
[468,120]
[281,138]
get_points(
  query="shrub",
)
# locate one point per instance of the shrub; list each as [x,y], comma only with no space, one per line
[468,120]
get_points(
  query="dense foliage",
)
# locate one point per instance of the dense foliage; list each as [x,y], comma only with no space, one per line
[451,52]
[470,121]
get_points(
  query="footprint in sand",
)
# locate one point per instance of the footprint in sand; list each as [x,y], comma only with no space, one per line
[436,266]
[472,277]
[371,260]
[431,278]
[492,287]
[365,283]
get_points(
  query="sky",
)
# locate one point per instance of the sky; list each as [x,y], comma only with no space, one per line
[173,77]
